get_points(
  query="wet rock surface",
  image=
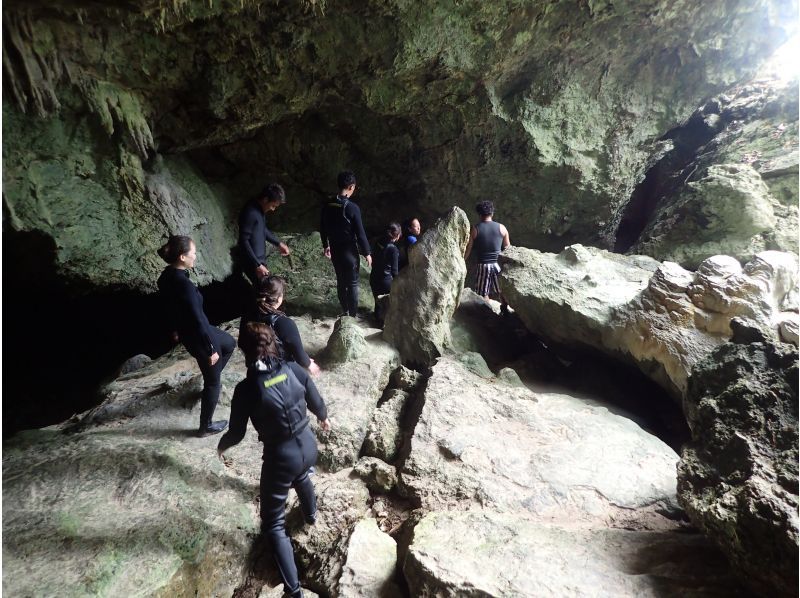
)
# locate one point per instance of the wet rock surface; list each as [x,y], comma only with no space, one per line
[738,478]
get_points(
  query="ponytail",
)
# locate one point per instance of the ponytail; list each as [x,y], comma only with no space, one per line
[175,247]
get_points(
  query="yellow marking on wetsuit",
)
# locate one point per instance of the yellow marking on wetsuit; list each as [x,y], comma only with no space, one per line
[274,381]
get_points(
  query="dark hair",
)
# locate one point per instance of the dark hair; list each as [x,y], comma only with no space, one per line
[345,179]
[393,229]
[175,247]
[407,224]
[273,192]
[485,208]
[258,341]
[268,290]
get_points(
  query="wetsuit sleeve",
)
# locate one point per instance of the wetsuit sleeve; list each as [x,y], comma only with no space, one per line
[361,236]
[239,414]
[271,238]
[313,399]
[393,259]
[287,331]
[248,221]
[191,299]
[323,233]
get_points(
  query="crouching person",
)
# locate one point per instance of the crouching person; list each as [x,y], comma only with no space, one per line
[274,396]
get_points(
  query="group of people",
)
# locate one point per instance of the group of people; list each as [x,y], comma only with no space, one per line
[275,395]
[278,388]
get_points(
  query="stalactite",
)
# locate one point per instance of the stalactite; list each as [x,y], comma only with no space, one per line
[32,76]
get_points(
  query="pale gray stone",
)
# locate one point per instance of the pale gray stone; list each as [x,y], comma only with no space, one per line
[351,391]
[660,317]
[370,565]
[321,549]
[405,378]
[385,434]
[346,343]
[502,555]
[425,294]
[484,443]
[378,475]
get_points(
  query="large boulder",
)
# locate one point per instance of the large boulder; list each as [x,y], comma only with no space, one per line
[483,443]
[660,317]
[352,390]
[738,478]
[493,554]
[371,563]
[425,294]
[321,550]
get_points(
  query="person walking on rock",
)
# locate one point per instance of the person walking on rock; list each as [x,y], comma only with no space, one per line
[266,309]
[343,236]
[386,265]
[488,238]
[254,234]
[274,396]
[210,346]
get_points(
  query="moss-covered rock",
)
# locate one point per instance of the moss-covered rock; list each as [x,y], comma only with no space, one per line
[553,108]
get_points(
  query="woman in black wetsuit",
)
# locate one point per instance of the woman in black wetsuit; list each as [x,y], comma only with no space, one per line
[385,264]
[210,346]
[274,396]
[269,297]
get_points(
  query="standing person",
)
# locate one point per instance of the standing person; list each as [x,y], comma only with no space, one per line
[386,264]
[210,346]
[265,309]
[342,237]
[411,231]
[274,396]
[253,231]
[488,238]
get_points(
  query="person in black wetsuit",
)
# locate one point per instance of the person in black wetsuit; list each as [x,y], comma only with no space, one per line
[210,346]
[254,234]
[488,238]
[265,309]
[385,266]
[411,232]
[274,396]
[342,237]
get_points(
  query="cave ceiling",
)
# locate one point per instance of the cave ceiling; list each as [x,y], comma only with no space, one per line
[125,120]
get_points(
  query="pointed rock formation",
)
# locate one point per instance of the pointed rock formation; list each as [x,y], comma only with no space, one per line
[425,294]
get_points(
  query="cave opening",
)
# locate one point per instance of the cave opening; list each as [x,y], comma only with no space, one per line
[62,341]
[667,173]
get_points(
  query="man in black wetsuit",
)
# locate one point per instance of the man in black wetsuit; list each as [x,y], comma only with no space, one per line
[253,232]
[343,237]
[488,238]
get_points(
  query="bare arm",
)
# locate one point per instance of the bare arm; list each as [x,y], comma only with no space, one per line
[506,238]
[472,234]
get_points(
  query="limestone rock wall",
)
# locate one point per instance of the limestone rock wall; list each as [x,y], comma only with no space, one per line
[739,194]
[554,108]
[737,479]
